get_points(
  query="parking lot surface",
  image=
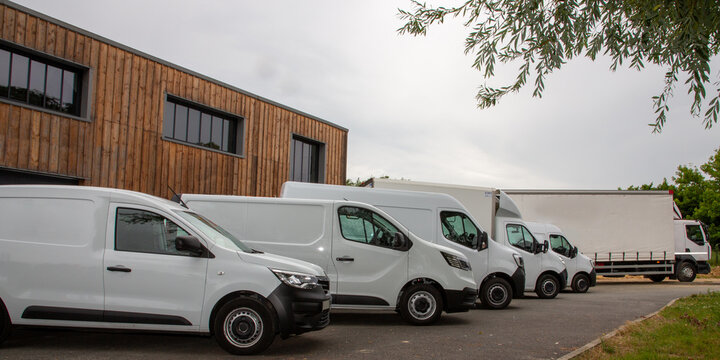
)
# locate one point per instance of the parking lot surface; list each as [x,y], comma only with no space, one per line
[530,328]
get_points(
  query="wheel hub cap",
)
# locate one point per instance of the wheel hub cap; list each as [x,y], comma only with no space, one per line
[422,305]
[243,327]
[497,295]
[548,287]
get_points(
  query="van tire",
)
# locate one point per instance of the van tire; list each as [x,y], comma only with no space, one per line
[656,278]
[547,287]
[5,323]
[421,304]
[686,272]
[244,326]
[580,283]
[496,293]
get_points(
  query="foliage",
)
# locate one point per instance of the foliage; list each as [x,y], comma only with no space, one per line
[358,182]
[696,193]
[681,36]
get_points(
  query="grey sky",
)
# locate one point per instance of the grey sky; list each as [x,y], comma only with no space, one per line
[409,102]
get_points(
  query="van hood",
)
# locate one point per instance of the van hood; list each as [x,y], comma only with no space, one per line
[282,263]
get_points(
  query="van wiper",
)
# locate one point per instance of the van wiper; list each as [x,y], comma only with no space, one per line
[257,251]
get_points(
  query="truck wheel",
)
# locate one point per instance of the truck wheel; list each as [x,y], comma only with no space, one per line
[580,283]
[496,293]
[686,272]
[5,323]
[421,304]
[547,287]
[244,326]
[656,278]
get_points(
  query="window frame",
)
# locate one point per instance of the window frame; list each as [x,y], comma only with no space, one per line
[464,217]
[321,157]
[82,72]
[702,234]
[204,109]
[563,241]
[532,237]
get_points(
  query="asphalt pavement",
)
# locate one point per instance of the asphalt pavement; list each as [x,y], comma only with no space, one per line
[531,328]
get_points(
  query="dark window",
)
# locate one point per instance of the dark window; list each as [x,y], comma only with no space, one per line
[306,162]
[147,232]
[458,228]
[36,80]
[695,234]
[560,245]
[202,126]
[365,226]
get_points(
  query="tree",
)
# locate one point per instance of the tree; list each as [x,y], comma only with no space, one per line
[681,36]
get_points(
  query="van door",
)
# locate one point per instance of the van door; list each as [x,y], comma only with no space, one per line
[148,281]
[562,247]
[695,241]
[460,233]
[371,269]
[520,237]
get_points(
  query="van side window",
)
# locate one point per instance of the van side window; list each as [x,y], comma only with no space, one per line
[365,226]
[146,232]
[520,237]
[458,228]
[560,245]
[694,233]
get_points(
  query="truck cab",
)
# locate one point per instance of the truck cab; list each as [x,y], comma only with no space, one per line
[581,270]
[692,249]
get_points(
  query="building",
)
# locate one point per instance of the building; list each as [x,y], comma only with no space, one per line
[76,108]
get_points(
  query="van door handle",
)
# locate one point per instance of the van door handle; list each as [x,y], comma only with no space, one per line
[345,258]
[119,268]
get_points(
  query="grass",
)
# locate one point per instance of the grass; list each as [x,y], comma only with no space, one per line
[689,329]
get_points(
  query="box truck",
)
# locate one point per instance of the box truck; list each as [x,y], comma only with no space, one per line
[439,218]
[114,259]
[545,273]
[580,268]
[373,262]
[624,232]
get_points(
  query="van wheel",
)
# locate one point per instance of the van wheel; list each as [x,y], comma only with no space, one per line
[580,283]
[496,293]
[657,278]
[547,287]
[686,272]
[421,304]
[244,326]
[5,323]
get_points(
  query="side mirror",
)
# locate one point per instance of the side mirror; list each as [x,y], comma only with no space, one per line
[399,240]
[545,246]
[483,241]
[573,252]
[190,244]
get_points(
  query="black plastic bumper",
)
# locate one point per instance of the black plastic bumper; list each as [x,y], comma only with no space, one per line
[593,278]
[300,310]
[518,284]
[460,300]
[703,267]
[563,279]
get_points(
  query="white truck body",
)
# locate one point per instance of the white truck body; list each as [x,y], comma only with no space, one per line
[107,258]
[430,216]
[374,262]
[624,232]
[545,274]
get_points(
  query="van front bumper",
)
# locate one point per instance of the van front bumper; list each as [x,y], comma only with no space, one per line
[460,300]
[518,284]
[703,267]
[593,278]
[300,310]
[563,279]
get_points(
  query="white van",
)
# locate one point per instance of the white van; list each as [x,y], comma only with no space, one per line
[581,270]
[372,260]
[442,219]
[90,257]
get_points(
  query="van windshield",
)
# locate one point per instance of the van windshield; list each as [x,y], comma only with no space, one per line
[217,234]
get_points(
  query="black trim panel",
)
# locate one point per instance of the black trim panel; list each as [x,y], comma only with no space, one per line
[358,300]
[518,278]
[73,314]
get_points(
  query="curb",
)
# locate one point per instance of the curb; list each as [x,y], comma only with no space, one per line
[597,341]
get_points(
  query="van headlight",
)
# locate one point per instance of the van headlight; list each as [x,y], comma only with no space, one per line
[456,261]
[295,279]
[519,260]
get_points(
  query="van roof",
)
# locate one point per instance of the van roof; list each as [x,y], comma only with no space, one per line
[375,196]
[129,196]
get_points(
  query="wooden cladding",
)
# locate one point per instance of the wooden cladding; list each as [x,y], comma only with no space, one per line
[121,145]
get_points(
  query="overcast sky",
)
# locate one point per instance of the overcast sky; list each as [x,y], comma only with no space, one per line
[409,101]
